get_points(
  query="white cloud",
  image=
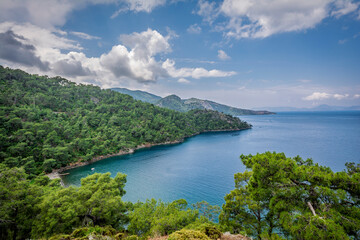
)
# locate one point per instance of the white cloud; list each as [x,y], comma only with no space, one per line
[84,35]
[42,13]
[50,13]
[40,37]
[45,51]
[222,55]
[195,29]
[356,96]
[340,96]
[138,6]
[260,19]
[196,73]
[344,7]
[208,11]
[144,5]
[317,96]
[147,43]
[183,80]
[322,96]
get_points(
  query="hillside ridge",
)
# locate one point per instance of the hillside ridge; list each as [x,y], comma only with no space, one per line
[174,102]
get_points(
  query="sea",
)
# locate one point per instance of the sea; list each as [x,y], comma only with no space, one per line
[202,168]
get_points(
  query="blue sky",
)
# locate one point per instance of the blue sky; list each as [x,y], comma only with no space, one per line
[249,53]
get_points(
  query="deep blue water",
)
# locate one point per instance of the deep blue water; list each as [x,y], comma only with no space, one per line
[202,168]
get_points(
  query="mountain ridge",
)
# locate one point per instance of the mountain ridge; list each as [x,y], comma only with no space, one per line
[174,102]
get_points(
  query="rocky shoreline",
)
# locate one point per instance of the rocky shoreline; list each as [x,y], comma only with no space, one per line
[57,173]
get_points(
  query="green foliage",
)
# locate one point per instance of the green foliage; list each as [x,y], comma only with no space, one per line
[154,218]
[86,233]
[18,201]
[208,211]
[185,234]
[41,207]
[295,197]
[132,237]
[210,229]
[96,202]
[47,123]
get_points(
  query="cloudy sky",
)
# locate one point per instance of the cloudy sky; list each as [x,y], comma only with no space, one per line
[248,53]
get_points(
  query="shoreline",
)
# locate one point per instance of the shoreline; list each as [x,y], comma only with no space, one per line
[57,173]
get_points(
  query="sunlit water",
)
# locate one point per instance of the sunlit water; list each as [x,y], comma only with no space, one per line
[202,168]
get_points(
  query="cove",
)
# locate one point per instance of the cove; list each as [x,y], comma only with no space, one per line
[202,167]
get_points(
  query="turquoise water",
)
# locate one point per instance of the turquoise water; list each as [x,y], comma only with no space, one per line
[202,168]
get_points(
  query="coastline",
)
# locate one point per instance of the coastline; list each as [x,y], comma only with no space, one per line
[57,173]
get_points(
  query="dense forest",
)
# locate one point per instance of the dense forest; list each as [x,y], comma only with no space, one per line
[276,198]
[48,123]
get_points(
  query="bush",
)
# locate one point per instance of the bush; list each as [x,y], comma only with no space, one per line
[208,228]
[185,234]
[119,236]
[212,232]
[132,237]
[61,237]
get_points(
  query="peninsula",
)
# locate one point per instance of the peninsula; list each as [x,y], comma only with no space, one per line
[53,123]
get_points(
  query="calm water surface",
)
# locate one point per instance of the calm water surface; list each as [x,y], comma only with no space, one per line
[202,168]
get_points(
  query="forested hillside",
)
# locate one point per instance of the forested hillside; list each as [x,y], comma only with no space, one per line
[47,123]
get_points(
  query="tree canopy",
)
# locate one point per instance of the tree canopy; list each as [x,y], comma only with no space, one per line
[295,198]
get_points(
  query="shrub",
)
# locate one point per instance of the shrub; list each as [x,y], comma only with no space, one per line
[185,234]
[132,237]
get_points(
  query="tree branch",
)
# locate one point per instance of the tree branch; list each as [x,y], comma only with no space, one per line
[311,208]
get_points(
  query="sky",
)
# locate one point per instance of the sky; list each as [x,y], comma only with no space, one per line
[248,53]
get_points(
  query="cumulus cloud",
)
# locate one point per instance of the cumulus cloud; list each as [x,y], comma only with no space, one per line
[12,49]
[72,65]
[136,58]
[322,96]
[196,73]
[260,19]
[147,43]
[40,37]
[183,80]
[194,29]
[222,55]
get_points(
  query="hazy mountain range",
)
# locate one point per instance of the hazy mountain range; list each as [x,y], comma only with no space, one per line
[322,107]
[183,105]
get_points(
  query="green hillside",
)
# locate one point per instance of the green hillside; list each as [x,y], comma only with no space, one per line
[183,105]
[47,123]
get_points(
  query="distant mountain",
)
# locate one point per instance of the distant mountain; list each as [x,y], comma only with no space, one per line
[139,95]
[319,108]
[183,105]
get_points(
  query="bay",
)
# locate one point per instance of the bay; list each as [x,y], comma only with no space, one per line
[202,167]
